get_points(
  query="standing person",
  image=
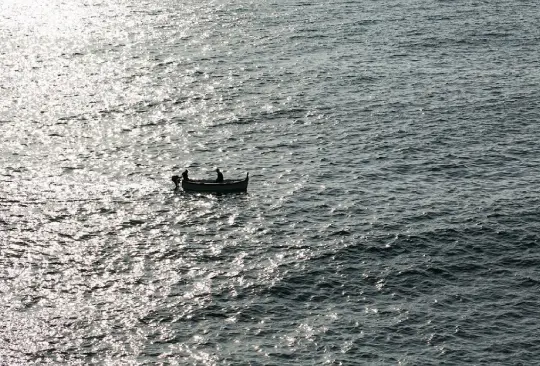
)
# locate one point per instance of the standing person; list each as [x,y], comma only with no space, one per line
[219,176]
[176,180]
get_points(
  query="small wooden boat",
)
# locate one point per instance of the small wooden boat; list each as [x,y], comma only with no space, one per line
[209,185]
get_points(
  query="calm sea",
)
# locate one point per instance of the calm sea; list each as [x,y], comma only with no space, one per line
[393,211]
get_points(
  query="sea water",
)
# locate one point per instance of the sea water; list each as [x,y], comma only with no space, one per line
[392,215]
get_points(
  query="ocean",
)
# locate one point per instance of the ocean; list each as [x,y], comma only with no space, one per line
[392,214]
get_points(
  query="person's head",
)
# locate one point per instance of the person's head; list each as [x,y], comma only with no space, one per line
[217,170]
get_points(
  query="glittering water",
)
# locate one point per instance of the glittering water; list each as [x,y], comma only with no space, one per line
[393,207]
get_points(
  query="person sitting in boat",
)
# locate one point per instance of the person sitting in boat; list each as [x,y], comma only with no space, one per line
[219,176]
[185,175]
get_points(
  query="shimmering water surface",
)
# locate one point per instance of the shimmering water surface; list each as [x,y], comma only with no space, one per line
[393,209]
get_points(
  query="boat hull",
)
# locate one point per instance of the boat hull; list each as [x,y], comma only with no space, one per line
[228,186]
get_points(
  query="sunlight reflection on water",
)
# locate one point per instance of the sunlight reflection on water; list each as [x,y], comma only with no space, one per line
[51,18]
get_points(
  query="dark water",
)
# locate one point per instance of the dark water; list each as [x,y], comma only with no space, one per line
[393,210]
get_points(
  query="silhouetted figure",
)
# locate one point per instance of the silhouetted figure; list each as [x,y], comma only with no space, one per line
[219,176]
[176,180]
[185,175]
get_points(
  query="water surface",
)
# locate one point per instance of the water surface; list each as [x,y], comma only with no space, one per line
[392,212]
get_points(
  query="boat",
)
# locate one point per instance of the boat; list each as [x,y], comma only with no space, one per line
[211,186]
